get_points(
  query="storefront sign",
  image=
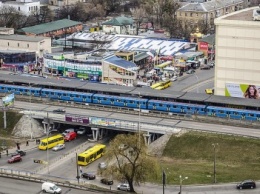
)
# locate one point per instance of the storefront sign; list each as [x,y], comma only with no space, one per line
[203,46]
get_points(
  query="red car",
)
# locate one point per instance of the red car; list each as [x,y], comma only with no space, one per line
[70,136]
[16,158]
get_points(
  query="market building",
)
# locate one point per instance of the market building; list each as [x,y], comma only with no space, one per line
[237,54]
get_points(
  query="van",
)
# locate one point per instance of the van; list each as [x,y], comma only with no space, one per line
[70,136]
[81,130]
[67,131]
[50,188]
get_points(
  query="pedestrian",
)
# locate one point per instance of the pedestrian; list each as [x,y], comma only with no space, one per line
[27,143]
[0,154]
[80,170]
[7,152]
[18,146]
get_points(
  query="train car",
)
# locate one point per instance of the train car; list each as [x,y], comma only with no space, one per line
[20,90]
[233,113]
[176,107]
[119,101]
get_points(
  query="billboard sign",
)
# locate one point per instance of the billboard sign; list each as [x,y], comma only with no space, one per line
[76,119]
[242,91]
[8,100]
[103,121]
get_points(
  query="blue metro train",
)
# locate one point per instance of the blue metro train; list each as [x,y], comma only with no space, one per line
[133,102]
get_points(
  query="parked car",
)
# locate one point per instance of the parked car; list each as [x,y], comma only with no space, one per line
[246,184]
[18,152]
[88,175]
[58,147]
[102,165]
[59,111]
[205,67]
[81,130]
[212,64]
[190,71]
[70,136]
[107,181]
[174,78]
[123,187]
[16,158]
[67,131]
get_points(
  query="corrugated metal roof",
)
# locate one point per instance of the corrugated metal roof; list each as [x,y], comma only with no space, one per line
[22,37]
[209,39]
[120,62]
[50,26]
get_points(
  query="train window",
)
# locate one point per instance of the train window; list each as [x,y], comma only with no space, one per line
[105,98]
[160,104]
[251,115]
[131,101]
[76,96]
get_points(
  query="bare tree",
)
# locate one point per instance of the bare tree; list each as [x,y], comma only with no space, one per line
[139,17]
[11,18]
[129,160]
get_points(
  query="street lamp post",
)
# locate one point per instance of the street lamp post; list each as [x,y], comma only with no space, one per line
[181,180]
[214,168]
[139,122]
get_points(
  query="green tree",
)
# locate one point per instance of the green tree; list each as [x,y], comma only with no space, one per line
[128,160]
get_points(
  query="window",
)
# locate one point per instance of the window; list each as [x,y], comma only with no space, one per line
[19,9]
[18,44]
[185,14]
[8,43]
[190,14]
[27,45]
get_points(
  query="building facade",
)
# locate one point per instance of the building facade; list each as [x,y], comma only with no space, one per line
[237,53]
[27,7]
[118,25]
[39,45]
[207,11]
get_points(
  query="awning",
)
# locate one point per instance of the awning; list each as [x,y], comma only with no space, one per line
[140,57]
[164,64]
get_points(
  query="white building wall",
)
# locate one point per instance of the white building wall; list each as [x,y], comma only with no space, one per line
[237,53]
[26,8]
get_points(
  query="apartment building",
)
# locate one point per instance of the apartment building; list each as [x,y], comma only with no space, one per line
[207,11]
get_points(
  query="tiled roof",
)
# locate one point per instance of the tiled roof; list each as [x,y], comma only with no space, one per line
[119,21]
[50,26]
[209,5]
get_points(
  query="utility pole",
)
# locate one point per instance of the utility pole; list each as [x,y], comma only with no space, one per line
[77,177]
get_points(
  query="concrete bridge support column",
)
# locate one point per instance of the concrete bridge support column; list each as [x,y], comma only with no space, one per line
[45,126]
[147,138]
[101,133]
[95,133]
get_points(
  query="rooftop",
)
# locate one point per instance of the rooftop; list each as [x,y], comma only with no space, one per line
[119,21]
[50,26]
[245,15]
[22,37]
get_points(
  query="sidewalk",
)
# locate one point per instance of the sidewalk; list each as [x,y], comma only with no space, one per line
[31,145]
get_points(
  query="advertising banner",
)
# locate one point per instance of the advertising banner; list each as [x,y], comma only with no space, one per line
[76,119]
[8,100]
[203,46]
[242,91]
[103,121]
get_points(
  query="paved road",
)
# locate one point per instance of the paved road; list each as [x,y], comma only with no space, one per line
[14,186]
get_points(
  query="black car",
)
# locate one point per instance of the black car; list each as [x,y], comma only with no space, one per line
[89,176]
[60,111]
[18,152]
[246,184]
[107,181]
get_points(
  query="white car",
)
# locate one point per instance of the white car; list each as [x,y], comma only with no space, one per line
[123,187]
[81,131]
[67,131]
[50,188]
[58,147]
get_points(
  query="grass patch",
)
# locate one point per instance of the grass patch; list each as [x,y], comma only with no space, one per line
[192,155]
[11,119]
